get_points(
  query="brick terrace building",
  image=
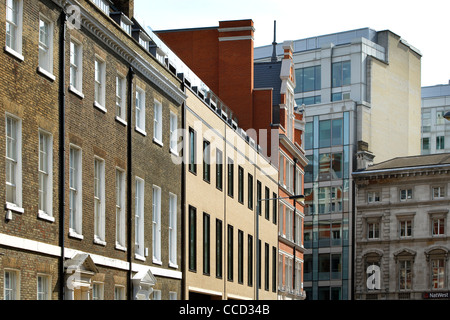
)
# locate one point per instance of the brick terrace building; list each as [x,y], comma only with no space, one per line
[223,57]
[91,194]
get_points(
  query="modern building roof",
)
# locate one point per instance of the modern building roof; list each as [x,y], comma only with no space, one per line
[410,162]
[439,90]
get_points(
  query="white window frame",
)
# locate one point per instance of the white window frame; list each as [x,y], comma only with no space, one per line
[173,295]
[14,46]
[372,227]
[76,68]
[14,288]
[121,106]
[173,212]
[139,219]
[99,83]
[174,133]
[373,196]
[440,193]
[43,288]
[103,5]
[120,210]
[156,295]
[140,111]
[126,24]
[156,224]
[406,194]
[14,160]
[99,201]
[75,186]
[45,208]
[98,291]
[119,292]
[157,122]
[46,48]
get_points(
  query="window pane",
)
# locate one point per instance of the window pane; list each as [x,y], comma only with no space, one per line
[324,133]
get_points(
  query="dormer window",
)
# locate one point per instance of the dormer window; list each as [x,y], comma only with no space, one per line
[144,40]
[103,5]
[126,23]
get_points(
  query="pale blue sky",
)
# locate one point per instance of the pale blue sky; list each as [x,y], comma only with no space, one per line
[423,24]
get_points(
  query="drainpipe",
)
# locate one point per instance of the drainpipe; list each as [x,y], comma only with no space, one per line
[62,106]
[129,181]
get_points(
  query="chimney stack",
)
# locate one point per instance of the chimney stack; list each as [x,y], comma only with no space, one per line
[125,6]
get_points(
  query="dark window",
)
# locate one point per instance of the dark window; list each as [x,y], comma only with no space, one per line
[240,184]
[267,202]
[258,196]
[219,169]
[206,244]
[192,153]
[206,161]
[230,177]
[230,253]
[266,266]
[274,208]
[250,261]
[218,248]
[240,256]
[192,239]
[250,191]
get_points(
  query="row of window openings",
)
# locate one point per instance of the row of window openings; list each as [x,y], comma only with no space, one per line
[230,178]
[326,200]
[405,228]
[328,234]
[310,78]
[13,175]
[331,133]
[329,267]
[219,255]
[14,29]
[438,274]
[11,288]
[99,211]
[440,143]
[426,120]
[437,193]
[287,170]
[292,281]
[290,224]
[46,66]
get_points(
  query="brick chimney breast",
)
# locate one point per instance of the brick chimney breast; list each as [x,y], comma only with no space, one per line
[125,6]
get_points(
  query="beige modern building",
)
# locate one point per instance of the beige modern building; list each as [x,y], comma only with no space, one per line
[402,229]
[231,243]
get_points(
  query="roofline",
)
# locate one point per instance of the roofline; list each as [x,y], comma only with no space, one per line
[369,172]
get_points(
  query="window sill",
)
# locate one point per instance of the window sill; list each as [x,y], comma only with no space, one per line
[174,152]
[45,73]
[99,241]
[76,92]
[141,131]
[139,257]
[158,142]
[74,234]
[156,261]
[173,265]
[100,107]
[14,53]
[120,248]
[44,216]
[14,207]
[121,121]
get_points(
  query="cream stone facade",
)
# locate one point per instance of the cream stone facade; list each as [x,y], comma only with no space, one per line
[224,233]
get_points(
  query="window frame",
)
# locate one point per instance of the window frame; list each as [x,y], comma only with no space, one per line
[140,111]
[121,105]
[16,204]
[192,151]
[15,288]
[15,49]
[76,219]
[121,206]
[206,237]
[139,216]
[206,161]
[45,211]
[173,133]
[157,122]
[99,197]
[173,220]
[76,67]
[156,224]
[46,66]
[45,293]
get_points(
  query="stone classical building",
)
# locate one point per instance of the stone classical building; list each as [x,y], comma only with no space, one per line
[402,229]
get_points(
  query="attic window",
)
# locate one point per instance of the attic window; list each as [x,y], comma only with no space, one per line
[126,24]
[144,40]
[103,5]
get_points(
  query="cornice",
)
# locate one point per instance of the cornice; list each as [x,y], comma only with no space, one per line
[138,62]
